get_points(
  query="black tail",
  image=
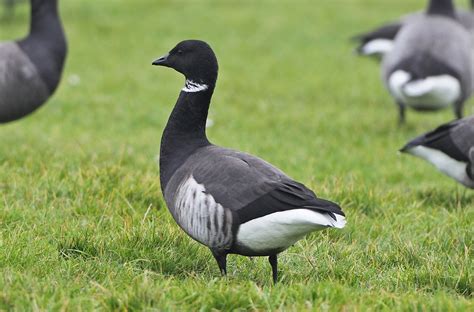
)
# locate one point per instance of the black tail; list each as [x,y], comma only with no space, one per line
[439,139]
[415,142]
[387,31]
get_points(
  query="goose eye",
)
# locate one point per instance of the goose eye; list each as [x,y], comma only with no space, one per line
[180,51]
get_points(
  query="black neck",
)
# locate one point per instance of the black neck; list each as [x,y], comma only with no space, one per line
[441,7]
[185,131]
[46,44]
[45,20]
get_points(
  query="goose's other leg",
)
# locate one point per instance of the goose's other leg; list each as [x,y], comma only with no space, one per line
[274,263]
[221,258]
[401,114]
[458,110]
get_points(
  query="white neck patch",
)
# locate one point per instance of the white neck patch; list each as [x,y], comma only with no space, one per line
[191,86]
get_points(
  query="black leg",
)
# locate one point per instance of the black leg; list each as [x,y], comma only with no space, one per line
[274,263]
[221,258]
[401,114]
[458,110]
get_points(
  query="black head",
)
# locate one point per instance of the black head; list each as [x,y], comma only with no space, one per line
[194,59]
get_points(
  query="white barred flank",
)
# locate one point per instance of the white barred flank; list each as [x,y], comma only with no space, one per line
[191,86]
[201,217]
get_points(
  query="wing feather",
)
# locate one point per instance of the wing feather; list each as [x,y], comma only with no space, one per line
[446,138]
[252,188]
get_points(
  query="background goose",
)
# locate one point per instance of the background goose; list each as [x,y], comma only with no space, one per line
[31,68]
[8,7]
[450,148]
[379,41]
[431,64]
[230,201]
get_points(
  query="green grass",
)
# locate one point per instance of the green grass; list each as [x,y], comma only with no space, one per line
[83,224]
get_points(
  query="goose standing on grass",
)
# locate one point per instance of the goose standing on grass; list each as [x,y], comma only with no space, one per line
[232,202]
[431,64]
[450,148]
[31,68]
[378,42]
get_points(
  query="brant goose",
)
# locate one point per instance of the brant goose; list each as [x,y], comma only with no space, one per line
[379,41]
[232,202]
[450,148]
[430,66]
[30,69]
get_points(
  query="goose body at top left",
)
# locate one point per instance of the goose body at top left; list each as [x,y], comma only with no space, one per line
[31,68]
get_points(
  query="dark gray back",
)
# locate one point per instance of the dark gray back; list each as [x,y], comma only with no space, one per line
[233,178]
[463,135]
[22,90]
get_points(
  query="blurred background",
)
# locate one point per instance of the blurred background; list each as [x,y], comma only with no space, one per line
[288,78]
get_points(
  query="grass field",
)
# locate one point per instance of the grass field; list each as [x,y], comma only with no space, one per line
[83,224]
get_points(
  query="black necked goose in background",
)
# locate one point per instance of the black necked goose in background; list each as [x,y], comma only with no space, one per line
[450,148]
[30,69]
[232,202]
[431,64]
[8,6]
[378,42]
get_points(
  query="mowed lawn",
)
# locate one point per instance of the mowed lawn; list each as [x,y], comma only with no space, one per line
[83,224]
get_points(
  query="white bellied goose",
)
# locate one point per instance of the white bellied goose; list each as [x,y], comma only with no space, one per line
[31,68]
[378,42]
[431,64]
[450,148]
[232,202]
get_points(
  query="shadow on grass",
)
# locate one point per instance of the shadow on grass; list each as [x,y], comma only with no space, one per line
[177,268]
[450,199]
[433,283]
[154,254]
